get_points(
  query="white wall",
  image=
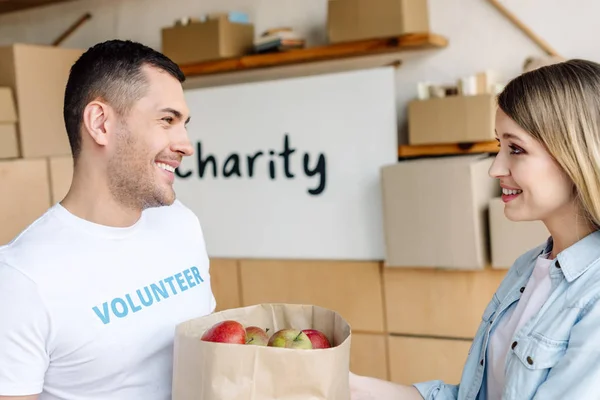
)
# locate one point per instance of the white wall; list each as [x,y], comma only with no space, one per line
[480,38]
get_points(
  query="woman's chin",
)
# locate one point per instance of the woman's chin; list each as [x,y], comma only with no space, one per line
[518,215]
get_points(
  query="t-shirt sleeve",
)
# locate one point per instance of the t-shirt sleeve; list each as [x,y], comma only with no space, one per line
[24,331]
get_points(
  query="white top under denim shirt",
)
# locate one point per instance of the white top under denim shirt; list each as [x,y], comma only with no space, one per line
[555,354]
[535,294]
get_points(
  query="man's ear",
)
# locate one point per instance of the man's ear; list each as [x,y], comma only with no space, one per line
[96,120]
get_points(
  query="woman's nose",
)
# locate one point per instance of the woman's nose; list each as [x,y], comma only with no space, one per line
[499,167]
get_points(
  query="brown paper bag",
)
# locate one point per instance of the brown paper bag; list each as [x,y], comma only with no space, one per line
[223,371]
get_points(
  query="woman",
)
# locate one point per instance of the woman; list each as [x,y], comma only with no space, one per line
[539,336]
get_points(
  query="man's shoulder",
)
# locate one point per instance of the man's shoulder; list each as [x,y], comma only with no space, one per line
[36,241]
[36,232]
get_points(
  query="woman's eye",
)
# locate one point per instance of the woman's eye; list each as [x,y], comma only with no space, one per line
[516,149]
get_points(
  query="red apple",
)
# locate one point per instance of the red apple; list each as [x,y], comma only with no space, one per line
[291,339]
[257,336]
[226,332]
[317,338]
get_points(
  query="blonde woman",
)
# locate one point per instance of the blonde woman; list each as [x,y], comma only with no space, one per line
[539,336]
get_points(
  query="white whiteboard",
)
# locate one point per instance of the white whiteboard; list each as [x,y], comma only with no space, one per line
[345,120]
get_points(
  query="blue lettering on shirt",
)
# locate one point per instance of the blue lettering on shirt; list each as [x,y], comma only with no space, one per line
[121,307]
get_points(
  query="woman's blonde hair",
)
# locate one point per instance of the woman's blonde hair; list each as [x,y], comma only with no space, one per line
[559,105]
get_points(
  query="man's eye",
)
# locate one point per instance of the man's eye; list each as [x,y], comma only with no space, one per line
[168,119]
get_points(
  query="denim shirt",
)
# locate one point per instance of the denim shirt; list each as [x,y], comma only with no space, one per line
[556,354]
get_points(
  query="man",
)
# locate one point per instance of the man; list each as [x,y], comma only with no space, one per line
[91,292]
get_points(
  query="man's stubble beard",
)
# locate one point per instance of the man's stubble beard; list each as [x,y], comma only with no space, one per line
[131,177]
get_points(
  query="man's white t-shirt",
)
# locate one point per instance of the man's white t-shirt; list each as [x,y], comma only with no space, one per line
[89,311]
[533,298]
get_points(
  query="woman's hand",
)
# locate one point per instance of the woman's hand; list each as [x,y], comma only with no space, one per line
[367,388]
[360,388]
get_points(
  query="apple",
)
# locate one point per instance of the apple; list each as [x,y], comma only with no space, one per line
[257,336]
[226,332]
[317,338]
[291,339]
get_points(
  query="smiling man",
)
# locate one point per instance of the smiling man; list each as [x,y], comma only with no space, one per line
[91,292]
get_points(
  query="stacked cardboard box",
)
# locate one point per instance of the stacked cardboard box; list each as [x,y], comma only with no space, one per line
[349,20]
[452,119]
[461,112]
[9,146]
[435,212]
[213,37]
[35,157]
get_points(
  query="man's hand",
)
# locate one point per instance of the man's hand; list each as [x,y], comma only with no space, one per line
[367,388]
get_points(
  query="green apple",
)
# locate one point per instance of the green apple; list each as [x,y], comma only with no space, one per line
[290,339]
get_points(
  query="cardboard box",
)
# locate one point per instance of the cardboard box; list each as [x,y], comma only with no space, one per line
[61,176]
[9,145]
[349,20]
[509,239]
[210,40]
[435,212]
[37,76]
[414,360]
[25,195]
[351,288]
[462,119]
[430,302]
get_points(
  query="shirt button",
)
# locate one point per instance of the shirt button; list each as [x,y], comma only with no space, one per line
[522,289]
[529,361]
[514,344]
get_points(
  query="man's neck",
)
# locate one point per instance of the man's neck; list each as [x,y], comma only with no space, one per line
[90,199]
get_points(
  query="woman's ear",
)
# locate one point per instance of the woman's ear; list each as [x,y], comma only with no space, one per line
[95,120]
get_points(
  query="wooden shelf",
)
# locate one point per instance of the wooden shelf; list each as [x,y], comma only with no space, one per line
[362,48]
[410,151]
[8,6]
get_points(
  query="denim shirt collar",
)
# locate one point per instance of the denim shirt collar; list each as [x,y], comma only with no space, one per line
[574,260]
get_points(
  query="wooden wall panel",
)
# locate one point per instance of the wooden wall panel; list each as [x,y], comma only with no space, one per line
[415,360]
[225,279]
[368,355]
[351,288]
[438,302]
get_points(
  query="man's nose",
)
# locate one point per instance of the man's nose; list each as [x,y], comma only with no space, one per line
[182,145]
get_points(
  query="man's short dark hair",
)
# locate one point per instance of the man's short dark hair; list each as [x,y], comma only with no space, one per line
[112,72]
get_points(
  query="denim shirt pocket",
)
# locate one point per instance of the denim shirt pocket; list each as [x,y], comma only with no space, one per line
[537,352]
[534,357]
